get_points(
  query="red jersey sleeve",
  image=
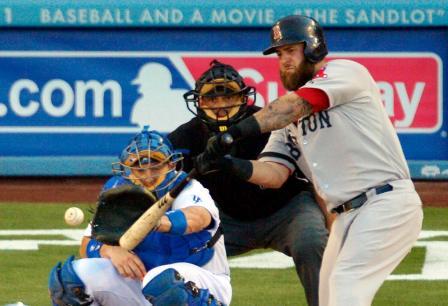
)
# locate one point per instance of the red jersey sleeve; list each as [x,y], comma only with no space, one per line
[316,97]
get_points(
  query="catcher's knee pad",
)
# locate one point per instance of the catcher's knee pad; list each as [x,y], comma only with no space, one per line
[168,288]
[65,286]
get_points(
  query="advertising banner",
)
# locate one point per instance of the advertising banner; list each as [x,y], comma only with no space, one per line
[109,93]
[242,13]
[71,98]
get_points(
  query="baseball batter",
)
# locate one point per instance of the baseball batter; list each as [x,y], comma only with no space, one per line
[336,130]
[182,263]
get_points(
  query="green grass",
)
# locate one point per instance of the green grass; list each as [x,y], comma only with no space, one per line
[435,218]
[266,287]
[38,216]
[26,274]
[23,274]
[412,264]
[37,237]
[412,293]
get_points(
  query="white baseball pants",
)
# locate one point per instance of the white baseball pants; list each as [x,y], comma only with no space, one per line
[367,244]
[109,288]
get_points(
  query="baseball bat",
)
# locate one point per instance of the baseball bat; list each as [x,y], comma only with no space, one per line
[150,218]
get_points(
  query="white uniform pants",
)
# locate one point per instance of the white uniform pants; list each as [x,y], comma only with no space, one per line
[367,244]
[109,288]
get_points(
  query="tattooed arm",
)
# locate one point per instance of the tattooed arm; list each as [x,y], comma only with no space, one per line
[278,114]
[282,111]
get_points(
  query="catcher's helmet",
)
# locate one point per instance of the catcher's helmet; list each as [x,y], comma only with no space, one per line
[296,29]
[144,156]
[219,80]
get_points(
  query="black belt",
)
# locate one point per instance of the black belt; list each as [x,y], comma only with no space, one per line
[358,201]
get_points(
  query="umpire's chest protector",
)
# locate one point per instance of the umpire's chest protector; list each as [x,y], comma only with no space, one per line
[161,248]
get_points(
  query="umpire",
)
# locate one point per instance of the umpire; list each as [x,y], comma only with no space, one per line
[252,217]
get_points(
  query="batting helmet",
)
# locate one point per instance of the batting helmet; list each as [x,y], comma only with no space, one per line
[143,158]
[297,29]
[219,80]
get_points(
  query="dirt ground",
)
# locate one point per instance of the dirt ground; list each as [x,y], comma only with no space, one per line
[86,189]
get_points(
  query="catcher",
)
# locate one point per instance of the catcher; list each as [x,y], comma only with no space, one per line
[181,262]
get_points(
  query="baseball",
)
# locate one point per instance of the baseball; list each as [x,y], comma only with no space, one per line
[74,216]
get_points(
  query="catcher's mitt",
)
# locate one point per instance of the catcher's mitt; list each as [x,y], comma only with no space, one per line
[117,209]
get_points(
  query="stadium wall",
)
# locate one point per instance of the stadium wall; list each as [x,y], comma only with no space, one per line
[76,76]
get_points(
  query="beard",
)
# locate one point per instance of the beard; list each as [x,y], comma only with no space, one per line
[297,78]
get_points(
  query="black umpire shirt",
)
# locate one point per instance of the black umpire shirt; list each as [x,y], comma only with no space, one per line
[238,199]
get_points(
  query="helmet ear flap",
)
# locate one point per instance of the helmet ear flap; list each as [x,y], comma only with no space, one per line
[250,93]
[191,99]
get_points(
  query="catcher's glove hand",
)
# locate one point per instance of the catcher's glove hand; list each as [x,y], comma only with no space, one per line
[117,209]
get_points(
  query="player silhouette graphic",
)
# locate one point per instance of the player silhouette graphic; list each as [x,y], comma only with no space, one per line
[158,105]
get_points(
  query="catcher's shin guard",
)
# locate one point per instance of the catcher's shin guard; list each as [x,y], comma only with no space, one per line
[168,288]
[65,287]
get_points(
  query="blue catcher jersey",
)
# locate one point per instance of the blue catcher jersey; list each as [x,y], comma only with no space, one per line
[163,248]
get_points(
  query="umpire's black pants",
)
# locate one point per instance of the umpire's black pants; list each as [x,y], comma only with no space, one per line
[297,230]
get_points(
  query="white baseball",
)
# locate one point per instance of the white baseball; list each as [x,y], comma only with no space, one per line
[74,216]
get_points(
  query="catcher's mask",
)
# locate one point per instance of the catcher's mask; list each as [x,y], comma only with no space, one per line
[223,82]
[149,161]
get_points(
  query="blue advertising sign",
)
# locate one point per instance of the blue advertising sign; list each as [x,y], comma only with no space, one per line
[101,92]
[70,99]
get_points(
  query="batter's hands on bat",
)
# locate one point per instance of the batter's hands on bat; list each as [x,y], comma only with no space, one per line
[213,156]
[126,262]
